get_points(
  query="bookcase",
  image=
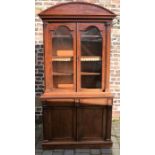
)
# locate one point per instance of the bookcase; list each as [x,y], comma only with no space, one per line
[77,103]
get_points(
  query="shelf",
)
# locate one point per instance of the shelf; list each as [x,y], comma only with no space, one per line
[62,58]
[90,36]
[65,86]
[91,90]
[62,74]
[63,90]
[62,36]
[92,41]
[90,73]
[91,58]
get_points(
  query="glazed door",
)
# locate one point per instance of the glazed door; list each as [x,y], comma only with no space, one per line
[62,52]
[91,56]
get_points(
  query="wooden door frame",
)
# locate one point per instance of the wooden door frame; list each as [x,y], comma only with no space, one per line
[52,27]
[101,28]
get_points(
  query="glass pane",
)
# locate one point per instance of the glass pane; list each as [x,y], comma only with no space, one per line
[62,58]
[91,58]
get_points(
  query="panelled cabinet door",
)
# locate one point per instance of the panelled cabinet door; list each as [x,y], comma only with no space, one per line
[91,56]
[62,52]
[59,122]
[91,123]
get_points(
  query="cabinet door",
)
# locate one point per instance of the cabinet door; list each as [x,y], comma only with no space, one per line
[91,56]
[62,53]
[91,123]
[59,122]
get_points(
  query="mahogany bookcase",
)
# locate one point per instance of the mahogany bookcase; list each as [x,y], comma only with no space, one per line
[77,103]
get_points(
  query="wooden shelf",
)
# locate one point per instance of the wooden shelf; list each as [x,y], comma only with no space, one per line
[90,73]
[90,36]
[65,86]
[62,36]
[62,74]
[57,90]
[91,90]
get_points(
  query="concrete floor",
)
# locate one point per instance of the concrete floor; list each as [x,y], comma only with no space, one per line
[114,151]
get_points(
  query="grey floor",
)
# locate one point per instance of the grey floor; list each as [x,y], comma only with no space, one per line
[114,151]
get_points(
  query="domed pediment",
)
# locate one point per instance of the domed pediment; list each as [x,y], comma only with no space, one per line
[77,9]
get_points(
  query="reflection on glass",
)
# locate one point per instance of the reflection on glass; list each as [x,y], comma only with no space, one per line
[91,58]
[62,58]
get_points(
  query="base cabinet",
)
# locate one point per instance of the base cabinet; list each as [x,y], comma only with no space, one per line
[91,123]
[72,125]
[59,123]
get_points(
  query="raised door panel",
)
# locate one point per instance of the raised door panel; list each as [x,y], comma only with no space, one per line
[91,123]
[59,123]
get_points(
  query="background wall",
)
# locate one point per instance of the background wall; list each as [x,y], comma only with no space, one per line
[113,5]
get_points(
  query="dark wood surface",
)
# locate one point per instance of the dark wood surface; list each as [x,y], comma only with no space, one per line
[76,144]
[70,125]
[75,117]
[78,10]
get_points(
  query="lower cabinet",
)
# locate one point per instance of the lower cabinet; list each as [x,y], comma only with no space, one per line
[72,125]
[91,123]
[59,123]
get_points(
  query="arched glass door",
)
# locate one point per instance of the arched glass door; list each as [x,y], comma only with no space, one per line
[91,57]
[63,57]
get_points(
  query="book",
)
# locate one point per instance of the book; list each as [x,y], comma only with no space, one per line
[64,53]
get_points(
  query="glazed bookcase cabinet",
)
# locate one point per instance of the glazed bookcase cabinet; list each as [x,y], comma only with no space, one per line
[77,103]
